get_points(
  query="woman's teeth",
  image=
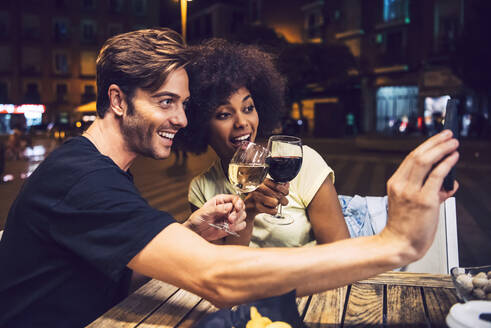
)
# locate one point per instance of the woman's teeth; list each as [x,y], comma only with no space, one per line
[166,135]
[241,138]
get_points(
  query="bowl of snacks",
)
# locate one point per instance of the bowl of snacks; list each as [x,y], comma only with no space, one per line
[472,283]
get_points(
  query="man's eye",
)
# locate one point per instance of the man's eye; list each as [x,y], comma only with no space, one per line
[166,102]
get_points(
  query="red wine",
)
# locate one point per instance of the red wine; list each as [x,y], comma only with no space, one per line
[284,169]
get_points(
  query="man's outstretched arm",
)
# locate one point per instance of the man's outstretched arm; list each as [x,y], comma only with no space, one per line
[228,275]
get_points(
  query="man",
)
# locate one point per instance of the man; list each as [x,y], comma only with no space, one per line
[79,225]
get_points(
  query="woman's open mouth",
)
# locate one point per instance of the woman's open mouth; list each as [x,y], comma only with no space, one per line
[237,140]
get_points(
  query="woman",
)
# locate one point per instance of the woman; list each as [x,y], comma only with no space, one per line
[236,95]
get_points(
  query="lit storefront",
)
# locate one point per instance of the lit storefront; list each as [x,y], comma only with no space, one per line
[397,110]
[27,115]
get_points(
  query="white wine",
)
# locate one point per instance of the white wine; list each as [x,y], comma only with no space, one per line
[247,177]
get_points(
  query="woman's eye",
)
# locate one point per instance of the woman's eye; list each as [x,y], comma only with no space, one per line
[222,116]
[249,108]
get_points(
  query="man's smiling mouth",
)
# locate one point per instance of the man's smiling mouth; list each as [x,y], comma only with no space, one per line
[166,135]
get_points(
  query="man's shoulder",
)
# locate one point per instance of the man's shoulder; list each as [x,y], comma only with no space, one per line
[78,153]
[71,161]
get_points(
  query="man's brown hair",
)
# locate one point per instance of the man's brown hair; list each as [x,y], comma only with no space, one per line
[139,59]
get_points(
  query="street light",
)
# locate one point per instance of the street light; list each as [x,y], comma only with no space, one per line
[184,10]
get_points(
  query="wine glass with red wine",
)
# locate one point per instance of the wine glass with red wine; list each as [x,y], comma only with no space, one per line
[284,162]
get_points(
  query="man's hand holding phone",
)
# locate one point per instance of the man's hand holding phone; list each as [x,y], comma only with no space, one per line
[451,123]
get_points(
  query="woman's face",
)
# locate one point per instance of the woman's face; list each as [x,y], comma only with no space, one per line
[233,122]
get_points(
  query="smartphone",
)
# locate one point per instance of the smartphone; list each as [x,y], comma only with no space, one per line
[451,123]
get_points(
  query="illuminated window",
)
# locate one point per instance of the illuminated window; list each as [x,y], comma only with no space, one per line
[87,63]
[396,10]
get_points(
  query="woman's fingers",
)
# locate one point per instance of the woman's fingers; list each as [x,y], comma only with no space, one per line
[282,188]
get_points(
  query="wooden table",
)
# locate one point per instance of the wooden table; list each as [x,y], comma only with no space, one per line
[391,299]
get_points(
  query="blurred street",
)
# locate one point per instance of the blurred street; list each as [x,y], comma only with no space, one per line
[362,166]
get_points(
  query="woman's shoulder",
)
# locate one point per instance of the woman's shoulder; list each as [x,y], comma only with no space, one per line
[212,173]
[310,153]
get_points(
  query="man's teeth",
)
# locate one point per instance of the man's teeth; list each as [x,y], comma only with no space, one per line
[242,138]
[167,135]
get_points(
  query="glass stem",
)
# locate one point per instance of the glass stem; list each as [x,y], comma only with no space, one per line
[280,213]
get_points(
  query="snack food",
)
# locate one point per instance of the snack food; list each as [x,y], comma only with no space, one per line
[258,321]
[472,284]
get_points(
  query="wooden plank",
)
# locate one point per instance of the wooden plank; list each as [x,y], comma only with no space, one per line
[133,309]
[438,303]
[411,279]
[326,308]
[405,307]
[172,311]
[302,303]
[203,308]
[365,306]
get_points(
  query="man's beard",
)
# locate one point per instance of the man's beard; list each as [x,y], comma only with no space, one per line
[137,134]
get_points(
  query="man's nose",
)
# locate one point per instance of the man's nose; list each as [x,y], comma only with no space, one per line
[179,118]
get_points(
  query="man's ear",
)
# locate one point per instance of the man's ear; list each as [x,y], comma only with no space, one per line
[117,100]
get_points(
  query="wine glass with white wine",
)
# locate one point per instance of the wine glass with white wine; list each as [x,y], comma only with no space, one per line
[246,171]
[248,168]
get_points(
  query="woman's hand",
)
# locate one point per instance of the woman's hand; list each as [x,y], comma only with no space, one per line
[220,208]
[266,198]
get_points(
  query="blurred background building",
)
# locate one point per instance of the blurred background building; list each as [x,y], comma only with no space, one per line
[375,67]
[48,50]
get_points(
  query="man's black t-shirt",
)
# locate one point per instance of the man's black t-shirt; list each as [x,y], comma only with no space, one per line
[73,228]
